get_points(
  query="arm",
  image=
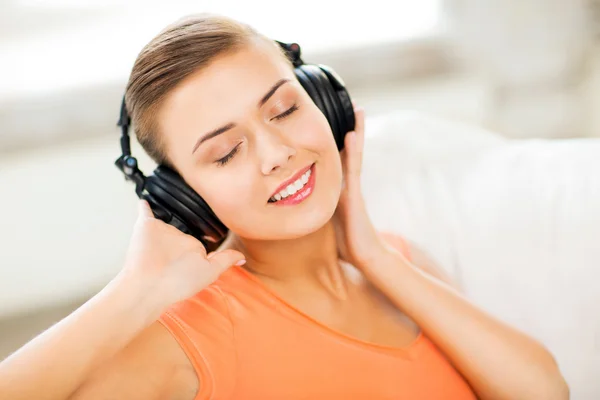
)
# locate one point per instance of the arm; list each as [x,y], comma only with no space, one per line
[417,257]
[151,367]
[57,362]
[422,260]
[498,361]
[163,266]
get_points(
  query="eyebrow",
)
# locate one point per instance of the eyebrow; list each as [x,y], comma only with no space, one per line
[231,125]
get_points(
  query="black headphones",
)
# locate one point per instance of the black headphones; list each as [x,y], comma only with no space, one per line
[174,202]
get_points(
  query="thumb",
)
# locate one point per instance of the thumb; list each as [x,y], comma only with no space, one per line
[222,260]
[144,210]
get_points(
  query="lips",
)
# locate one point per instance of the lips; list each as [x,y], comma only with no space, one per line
[290,180]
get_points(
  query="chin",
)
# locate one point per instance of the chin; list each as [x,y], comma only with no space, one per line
[309,220]
[311,223]
[294,223]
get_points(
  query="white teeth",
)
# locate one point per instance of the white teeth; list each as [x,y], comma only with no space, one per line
[293,187]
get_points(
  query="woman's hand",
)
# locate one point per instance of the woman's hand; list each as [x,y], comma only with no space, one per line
[358,241]
[163,266]
[170,264]
[498,361]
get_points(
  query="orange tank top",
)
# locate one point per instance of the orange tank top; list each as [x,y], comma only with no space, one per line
[245,342]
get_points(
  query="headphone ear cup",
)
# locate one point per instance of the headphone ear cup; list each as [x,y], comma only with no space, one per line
[161,212]
[319,84]
[344,106]
[311,89]
[158,209]
[330,97]
[177,187]
[187,210]
[325,89]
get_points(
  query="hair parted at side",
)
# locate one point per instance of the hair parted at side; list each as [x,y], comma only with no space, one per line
[182,48]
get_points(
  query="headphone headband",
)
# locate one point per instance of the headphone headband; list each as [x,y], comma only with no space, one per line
[292,51]
[124,122]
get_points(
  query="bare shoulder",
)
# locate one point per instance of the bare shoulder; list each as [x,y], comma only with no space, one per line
[152,366]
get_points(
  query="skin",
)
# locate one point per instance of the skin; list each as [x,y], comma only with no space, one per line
[110,348]
[271,151]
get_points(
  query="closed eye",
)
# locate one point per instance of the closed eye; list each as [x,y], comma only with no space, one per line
[222,161]
[286,113]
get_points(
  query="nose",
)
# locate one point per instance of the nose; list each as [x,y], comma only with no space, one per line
[274,151]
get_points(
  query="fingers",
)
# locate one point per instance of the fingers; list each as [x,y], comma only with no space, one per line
[144,210]
[353,151]
[222,260]
[359,115]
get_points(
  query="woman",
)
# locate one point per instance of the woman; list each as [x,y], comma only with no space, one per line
[302,300]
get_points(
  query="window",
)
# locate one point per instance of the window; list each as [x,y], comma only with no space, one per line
[65,44]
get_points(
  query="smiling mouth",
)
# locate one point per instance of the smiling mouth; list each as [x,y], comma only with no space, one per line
[297,190]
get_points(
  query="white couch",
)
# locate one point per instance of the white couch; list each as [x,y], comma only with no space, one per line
[516,222]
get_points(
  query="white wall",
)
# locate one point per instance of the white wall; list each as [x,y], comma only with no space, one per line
[68,215]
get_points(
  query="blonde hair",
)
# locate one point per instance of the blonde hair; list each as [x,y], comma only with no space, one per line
[181,49]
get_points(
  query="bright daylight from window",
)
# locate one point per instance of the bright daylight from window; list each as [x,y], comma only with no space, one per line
[90,42]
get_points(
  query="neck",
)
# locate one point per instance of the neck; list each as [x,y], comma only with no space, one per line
[300,262]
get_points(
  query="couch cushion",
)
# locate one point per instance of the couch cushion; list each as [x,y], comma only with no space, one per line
[516,222]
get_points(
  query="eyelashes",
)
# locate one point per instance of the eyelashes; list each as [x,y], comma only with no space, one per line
[286,112]
[222,161]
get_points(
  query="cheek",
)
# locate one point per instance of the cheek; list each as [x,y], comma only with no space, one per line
[228,201]
[315,132]
[321,136]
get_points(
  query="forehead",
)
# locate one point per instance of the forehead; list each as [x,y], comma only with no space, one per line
[225,91]
[237,78]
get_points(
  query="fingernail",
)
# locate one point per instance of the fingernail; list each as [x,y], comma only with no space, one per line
[241,262]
